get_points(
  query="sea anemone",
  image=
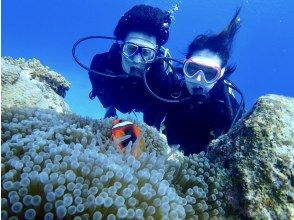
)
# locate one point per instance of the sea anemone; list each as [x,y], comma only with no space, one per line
[65,166]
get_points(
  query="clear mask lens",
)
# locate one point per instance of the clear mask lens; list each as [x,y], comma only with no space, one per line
[130,49]
[147,54]
[192,69]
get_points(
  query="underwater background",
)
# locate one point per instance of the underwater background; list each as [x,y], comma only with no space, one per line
[46,30]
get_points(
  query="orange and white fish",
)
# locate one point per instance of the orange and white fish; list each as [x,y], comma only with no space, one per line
[123,132]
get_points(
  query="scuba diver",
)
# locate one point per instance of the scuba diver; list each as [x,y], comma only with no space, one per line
[142,31]
[212,107]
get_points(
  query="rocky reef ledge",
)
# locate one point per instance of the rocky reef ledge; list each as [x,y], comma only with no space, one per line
[30,84]
[58,165]
[258,155]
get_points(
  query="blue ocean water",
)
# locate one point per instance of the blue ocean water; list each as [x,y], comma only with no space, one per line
[46,30]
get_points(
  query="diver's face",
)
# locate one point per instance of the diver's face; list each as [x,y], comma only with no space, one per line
[202,71]
[136,60]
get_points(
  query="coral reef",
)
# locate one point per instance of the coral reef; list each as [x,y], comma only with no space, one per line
[57,82]
[29,84]
[259,156]
[64,166]
[56,165]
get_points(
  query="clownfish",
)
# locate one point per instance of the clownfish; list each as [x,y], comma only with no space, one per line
[123,132]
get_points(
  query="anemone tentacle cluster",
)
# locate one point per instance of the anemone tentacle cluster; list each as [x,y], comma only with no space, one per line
[60,166]
[194,179]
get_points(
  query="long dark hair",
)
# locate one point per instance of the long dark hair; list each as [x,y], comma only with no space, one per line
[220,43]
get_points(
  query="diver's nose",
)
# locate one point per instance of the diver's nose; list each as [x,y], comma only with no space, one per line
[199,76]
[137,58]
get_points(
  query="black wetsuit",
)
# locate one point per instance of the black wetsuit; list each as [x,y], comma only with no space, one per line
[193,125]
[127,94]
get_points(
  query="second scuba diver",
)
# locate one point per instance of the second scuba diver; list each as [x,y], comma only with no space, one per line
[143,30]
[212,107]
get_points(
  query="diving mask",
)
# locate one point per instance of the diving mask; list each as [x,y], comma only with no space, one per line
[201,76]
[202,71]
[130,49]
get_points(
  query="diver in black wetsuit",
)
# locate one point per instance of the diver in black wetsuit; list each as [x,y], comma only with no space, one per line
[143,30]
[212,107]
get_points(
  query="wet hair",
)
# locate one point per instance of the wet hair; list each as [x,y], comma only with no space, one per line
[220,43]
[147,19]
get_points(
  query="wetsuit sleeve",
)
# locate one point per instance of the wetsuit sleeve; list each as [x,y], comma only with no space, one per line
[154,114]
[101,85]
[110,112]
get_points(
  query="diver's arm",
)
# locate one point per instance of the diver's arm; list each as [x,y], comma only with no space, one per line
[101,86]
[110,112]
[154,114]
